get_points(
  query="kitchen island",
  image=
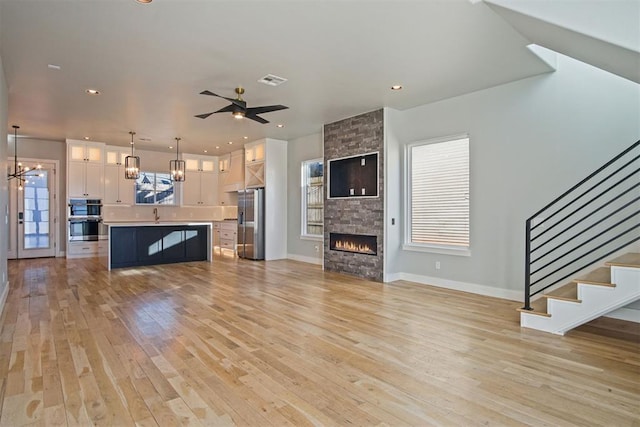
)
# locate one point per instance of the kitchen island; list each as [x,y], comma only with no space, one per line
[133,244]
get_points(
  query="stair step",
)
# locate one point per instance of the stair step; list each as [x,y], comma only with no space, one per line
[537,313]
[568,292]
[626,260]
[539,308]
[600,276]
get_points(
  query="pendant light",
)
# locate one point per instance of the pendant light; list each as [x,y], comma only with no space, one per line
[132,163]
[19,172]
[177,166]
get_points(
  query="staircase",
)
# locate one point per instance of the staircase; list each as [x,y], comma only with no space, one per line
[593,221]
[587,297]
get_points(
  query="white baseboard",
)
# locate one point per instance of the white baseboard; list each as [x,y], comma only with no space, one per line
[310,260]
[474,288]
[628,314]
[3,296]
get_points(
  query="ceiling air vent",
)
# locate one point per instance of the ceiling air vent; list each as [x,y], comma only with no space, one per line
[272,80]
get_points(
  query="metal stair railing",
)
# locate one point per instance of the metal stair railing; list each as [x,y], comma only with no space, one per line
[593,219]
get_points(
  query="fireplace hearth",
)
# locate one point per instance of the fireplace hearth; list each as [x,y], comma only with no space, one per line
[355,243]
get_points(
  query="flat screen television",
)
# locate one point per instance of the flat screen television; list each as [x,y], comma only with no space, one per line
[354,176]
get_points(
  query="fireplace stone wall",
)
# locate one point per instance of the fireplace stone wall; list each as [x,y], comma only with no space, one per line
[349,137]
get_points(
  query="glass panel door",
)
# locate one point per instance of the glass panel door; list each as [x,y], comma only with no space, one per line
[32,216]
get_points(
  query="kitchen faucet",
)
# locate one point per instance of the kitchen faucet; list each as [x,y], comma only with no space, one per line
[155,214]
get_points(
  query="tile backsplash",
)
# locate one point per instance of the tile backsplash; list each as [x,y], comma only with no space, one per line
[169,213]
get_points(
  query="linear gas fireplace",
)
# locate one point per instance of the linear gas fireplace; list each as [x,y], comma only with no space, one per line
[357,243]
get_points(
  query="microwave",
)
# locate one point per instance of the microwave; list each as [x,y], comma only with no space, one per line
[85,208]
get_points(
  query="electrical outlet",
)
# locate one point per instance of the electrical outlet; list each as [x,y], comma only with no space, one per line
[317,248]
[437,265]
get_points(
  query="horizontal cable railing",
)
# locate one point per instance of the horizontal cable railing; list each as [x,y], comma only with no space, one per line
[593,219]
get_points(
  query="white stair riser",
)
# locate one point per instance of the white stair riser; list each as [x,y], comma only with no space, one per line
[596,301]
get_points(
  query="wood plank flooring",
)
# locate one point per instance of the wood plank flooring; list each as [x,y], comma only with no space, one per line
[236,342]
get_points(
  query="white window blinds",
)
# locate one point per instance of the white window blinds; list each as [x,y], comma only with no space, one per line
[439,193]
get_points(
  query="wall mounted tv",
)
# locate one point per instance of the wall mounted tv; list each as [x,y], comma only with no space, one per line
[355,176]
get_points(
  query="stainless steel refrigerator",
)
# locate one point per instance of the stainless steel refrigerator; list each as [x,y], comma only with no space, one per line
[251,223]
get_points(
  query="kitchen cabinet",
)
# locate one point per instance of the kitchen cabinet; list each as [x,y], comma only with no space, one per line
[117,189]
[87,249]
[225,235]
[85,169]
[254,161]
[135,245]
[199,163]
[266,166]
[80,151]
[200,187]
[223,163]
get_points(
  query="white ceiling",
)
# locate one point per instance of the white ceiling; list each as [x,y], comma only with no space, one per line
[151,61]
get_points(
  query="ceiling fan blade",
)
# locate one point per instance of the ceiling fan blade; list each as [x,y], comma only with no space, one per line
[265,109]
[239,103]
[228,109]
[256,118]
[204,116]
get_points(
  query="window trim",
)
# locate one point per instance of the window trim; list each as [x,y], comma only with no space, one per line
[303,205]
[155,203]
[407,244]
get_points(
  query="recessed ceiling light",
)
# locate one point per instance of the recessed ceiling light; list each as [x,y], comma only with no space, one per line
[217,147]
[93,92]
[280,125]
[54,67]
[205,151]
[396,87]
[230,142]
[245,137]
[86,137]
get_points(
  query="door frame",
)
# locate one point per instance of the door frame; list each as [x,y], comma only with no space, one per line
[58,252]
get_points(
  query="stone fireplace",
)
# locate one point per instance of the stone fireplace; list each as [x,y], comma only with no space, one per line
[359,218]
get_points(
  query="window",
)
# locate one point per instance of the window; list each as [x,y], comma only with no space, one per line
[438,195]
[312,198]
[155,189]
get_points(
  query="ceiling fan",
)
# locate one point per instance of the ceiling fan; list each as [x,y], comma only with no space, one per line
[238,107]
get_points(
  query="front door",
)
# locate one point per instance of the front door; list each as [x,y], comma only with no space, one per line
[32,214]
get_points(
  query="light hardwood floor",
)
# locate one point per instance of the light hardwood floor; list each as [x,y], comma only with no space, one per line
[282,343]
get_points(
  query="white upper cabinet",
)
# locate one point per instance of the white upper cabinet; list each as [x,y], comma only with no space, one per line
[200,188]
[117,189]
[90,152]
[85,169]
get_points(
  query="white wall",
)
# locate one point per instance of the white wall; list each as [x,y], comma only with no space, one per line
[4,189]
[305,148]
[530,141]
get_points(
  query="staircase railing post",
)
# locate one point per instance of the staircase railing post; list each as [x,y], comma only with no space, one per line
[527,266]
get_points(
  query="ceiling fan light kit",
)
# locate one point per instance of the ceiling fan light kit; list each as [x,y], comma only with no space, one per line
[238,107]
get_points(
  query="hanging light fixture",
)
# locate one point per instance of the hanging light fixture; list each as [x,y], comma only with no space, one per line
[177,166]
[132,163]
[19,172]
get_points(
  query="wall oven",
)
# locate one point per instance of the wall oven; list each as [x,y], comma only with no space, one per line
[85,220]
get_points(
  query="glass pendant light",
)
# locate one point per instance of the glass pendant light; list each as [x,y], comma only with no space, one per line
[132,163]
[177,166]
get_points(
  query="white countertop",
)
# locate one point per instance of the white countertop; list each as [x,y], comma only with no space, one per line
[153,223]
